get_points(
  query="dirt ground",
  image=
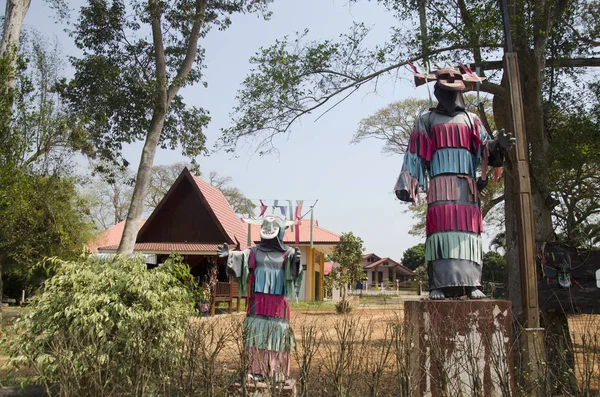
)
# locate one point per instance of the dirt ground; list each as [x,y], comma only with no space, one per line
[585,333]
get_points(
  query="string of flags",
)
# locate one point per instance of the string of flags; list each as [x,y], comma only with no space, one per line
[286,209]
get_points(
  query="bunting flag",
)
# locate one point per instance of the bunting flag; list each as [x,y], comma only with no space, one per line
[298,217]
[263,208]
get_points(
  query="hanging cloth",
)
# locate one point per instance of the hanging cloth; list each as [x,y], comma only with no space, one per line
[263,208]
[281,208]
[291,208]
[298,217]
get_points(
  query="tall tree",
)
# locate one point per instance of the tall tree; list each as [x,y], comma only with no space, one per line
[295,77]
[40,210]
[234,196]
[161,181]
[414,257]
[128,85]
[108,196]
[348,254]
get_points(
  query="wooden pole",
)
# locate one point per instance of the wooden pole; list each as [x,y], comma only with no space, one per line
[533,342]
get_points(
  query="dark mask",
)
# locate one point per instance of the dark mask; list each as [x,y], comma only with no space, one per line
[449,102]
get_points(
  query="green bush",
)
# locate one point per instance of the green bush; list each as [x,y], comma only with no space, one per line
[102,328]
[343,307]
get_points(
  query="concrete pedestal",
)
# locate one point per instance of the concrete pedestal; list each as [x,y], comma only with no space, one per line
[260,389]
[460,347]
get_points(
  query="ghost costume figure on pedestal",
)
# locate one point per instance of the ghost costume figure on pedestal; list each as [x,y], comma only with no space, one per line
[271,273]
[445,150]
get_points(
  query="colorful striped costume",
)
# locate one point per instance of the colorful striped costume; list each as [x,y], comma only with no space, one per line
[442,158]
[273,274]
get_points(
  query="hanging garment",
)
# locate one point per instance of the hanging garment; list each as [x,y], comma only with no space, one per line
[273,274]
[443,156]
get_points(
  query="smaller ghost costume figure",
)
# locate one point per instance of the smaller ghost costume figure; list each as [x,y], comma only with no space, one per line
[273,274]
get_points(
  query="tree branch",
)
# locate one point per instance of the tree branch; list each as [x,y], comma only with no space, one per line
[491,204]
[557,63]
[190,55]
[159,49]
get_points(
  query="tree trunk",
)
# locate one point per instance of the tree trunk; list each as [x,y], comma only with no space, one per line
[13,22]
[1,292]
[142,181]
[163,99]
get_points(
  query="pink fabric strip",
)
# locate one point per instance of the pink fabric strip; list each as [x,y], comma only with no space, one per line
[268,362]
[453,217]
[473,191]
[443,187]
[450,135]
[270,305]
[419,143]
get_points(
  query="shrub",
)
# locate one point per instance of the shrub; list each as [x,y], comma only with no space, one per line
[105,328]
[344,306]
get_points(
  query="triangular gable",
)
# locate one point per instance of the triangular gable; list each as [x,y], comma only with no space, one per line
[192,211]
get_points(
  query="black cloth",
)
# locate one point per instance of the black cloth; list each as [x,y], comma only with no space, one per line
[449,102]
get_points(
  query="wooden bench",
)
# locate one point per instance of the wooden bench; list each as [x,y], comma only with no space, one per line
[226,292]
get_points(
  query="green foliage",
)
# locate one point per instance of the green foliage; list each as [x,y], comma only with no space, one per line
[574,130]
[394,123]
[343,307]
[348,254]
[41,136]
[41,216]
[101,328]
[414,256]
[119,82]
[494,268]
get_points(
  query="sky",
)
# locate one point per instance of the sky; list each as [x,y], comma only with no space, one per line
[352,182]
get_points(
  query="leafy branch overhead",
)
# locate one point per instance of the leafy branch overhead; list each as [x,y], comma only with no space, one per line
[297,76]
[123,71]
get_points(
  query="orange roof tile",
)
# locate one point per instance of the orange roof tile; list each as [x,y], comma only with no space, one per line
[320,235]
[111,236]
[167,247]
[217,202]
[327,267]
[403,269]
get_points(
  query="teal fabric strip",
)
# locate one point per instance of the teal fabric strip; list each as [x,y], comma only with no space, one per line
[452,160]
[243,281]
[412,164]
[268,333]
[268,281]
[454,245]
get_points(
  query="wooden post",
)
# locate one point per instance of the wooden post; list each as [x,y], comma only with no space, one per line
[533,336]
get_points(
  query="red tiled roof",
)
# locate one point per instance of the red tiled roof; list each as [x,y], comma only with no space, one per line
[320,235]
[226,216]
[167,247]
[327,267]
[111,236]
[404,270]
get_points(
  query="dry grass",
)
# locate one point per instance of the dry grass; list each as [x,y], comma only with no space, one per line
[363,353]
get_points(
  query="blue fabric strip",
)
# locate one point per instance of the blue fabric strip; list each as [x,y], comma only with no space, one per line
[414,165]
[269,281]
[454,245]
[268,333]
[453,161]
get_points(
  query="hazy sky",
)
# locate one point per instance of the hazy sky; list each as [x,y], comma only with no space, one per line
[353,183]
